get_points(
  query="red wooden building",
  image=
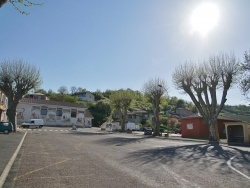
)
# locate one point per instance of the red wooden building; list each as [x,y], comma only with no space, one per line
[195,127]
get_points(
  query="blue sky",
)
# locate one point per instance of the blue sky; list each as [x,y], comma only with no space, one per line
[110,44]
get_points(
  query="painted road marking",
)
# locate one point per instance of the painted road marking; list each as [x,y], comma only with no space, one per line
[230,166]
[40,169]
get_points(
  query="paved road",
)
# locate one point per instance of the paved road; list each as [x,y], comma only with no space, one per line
[86,158]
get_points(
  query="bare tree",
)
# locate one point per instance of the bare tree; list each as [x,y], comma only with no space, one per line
[201,82]
[17,3]
[17,78]
[154,89]
[121,101]
[245,79]
[73,89]
[63,90]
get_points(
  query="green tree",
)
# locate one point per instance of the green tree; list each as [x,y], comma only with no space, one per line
[202,81]
[17,78]
[154,89]
[180,103]
[101,111]
[245,79]
[98,95]
[121,101]
[40,91]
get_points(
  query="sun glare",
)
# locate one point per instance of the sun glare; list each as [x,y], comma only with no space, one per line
[204,18]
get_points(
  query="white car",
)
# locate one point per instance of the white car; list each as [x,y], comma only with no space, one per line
[33,123]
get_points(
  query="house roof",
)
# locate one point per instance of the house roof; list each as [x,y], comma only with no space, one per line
[137,112]
[220,117]
[49,102]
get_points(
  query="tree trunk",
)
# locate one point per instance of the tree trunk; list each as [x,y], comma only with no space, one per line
[123,119]
[11,113]
[157,122]
[213,132]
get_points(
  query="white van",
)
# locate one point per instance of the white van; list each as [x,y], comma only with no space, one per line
[33,123]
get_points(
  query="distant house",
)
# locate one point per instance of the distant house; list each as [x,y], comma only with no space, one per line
[37,96]
[86,96]
[138,116]
[195,127]
[181,112]
[54,113]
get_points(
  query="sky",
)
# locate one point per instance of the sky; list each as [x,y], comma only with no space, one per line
[110,44]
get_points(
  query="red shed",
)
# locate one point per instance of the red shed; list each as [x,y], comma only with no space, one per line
[195,127]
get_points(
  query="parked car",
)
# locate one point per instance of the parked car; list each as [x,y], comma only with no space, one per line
[33,123]
[148,131]
[177,131]
[145,128]
[6,127]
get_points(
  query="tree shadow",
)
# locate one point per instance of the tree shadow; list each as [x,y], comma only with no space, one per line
[79,133]
[122,141]
[202,155]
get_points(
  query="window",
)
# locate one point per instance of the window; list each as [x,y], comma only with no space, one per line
[190,126]
[59,112]
[43,97]
[44,110]
[35,97]
[73,113]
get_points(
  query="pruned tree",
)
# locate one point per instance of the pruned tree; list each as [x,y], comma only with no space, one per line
[121,101]
[154,89]
[245,79]
[17,78]
[201,82]
[18,3]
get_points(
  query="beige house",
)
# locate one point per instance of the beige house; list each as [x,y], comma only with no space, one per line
[54,113]
[237,132]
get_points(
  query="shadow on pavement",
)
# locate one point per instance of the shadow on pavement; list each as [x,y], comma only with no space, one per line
[87,133]
[205,154]
[122,141]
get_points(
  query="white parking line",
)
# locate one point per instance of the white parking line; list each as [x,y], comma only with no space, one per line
[230,166]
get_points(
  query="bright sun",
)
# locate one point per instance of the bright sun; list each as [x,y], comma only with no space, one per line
[204,18]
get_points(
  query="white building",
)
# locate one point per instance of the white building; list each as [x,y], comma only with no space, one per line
[54,113]
[86,96]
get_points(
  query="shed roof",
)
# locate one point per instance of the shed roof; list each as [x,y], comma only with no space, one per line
[220,117]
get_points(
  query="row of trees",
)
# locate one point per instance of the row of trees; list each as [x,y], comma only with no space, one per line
[201,81]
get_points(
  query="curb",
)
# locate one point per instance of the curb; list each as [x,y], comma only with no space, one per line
[10,163]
